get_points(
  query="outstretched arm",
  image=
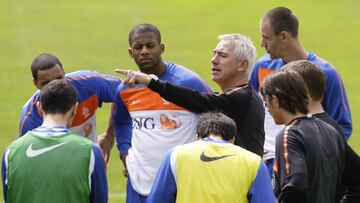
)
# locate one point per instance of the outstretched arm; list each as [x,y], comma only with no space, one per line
[191,99]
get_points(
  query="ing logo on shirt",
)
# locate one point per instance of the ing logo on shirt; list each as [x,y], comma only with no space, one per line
[141,123]
[166,121]
[169,122]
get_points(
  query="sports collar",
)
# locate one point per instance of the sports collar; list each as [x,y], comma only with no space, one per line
[51,130]
[209,139]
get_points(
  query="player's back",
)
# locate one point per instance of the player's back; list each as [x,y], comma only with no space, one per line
[48,169]
[323,149]
[214,172]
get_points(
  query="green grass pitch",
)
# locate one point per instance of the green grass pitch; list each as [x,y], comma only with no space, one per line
[89,34]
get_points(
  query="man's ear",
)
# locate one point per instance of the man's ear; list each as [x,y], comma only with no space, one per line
[162,48]
[75,109]
[233,140]
[40,109]
[198,137]
[35,83]
[275,101]
[243,65]
[72,114]
[130,52]
[284,35]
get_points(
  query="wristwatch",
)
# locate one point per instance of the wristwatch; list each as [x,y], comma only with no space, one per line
[154,77]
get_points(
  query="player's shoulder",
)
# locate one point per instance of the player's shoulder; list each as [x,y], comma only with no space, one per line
[305,126]
[80,73]
[264,58]
[180,75]
[83,75]
[92,81]
[180,71]
[122,87]
[33,100]
[299,124]
[124,92]
[18,142]
[325,66]
[266,62]
[327,124]
[291,128]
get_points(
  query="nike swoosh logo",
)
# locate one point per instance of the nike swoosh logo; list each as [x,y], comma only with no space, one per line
[205,158]
[33,153]
[135,102]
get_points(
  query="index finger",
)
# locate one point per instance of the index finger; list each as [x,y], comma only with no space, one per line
[121,71]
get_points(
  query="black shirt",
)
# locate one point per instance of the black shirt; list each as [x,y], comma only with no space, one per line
[351,176]
[310,162]
[242,104]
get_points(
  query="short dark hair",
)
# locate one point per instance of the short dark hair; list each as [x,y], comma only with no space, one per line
[289,88]
[44,61]
[58,97]
[283,19]
[144,28]
[217,124]
[312,75]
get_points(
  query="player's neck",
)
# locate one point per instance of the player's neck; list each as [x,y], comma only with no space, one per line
[289,117]
[157,70]
[160,69]
[216,137]
[315,107]
[55,120]
[295,52]
[231,84]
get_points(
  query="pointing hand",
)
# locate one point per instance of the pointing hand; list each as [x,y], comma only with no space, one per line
[134,77]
